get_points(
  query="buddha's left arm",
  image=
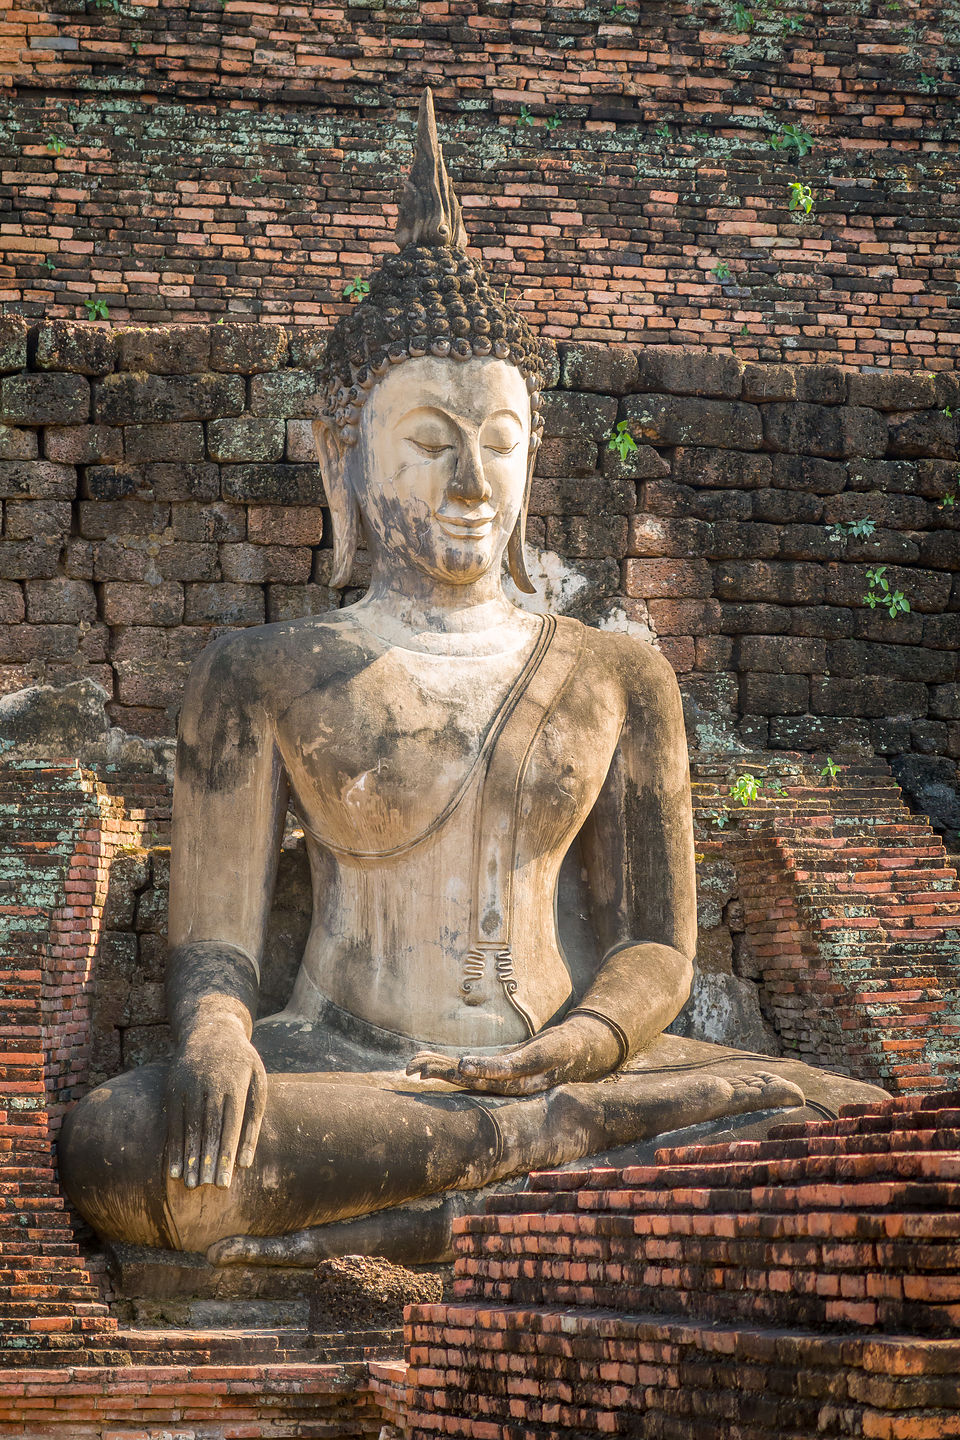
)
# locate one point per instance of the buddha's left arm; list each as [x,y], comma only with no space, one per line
[637,846]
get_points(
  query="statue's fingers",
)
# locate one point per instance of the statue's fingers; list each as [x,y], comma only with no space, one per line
[212,1129]
[533,1058]
[514,1084]
[255,1108]
[431,1066]
[192,1137]
[175,1135]
[229,1140]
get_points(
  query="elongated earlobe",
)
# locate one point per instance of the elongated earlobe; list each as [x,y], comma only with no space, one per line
[516,561]
[344,514]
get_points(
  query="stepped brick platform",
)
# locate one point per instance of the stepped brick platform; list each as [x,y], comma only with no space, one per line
[186,1402]
[807,1284]
[59,831]
[852,915]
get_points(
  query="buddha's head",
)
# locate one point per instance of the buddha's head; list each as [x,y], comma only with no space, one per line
[432,388]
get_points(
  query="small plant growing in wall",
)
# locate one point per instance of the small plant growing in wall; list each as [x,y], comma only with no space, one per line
[801,197]
[552,122]
[743,18]
[55,145]
[664,133]
[620,440]
[356,288]
[526,115]
[830,771]
[97,309]
[793,139]
[721,271]
[745,788]
[878,592]
[948,501]
[845,530]
[49,264]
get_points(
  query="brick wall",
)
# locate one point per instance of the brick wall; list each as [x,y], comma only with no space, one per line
[159,486]
[191,160]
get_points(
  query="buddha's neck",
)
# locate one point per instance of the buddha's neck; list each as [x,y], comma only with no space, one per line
[409,609]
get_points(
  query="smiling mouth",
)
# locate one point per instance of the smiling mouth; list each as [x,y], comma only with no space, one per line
[466,527]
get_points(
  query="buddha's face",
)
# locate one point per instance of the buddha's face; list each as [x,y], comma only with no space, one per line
[440,465]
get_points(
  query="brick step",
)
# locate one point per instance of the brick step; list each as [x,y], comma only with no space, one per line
[284,1345]
[866,1144]
[700,1193]
[673,1292]
[51,1300]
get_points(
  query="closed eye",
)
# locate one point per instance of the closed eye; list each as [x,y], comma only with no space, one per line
[431,450]
[505,449]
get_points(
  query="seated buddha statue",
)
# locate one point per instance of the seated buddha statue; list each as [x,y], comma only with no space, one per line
[451,1026]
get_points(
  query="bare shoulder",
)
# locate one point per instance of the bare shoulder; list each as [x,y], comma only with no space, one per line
[646,676]
[256,667]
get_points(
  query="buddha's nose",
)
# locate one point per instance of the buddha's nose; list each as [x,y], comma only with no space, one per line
[468,483]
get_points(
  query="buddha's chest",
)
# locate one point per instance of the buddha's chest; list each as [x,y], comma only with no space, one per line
[376,757]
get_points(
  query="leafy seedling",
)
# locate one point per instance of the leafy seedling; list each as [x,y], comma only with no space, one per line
[721,271]
[851,529]
[526,115]
[830,771]
[620,440]
[801,197]
[96,309]
[743,18]
[663,131]
[50,265]
[552,122]
[356,288]
[879,593]
[55,145]
[793,138]
[745,788]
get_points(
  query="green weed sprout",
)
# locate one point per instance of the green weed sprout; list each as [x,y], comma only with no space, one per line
[620,439]
[96,309]
[879,593]
[830,771]
[721,271]
[793,137]
[801,197]
[745,788]
[851,529]
[356,288]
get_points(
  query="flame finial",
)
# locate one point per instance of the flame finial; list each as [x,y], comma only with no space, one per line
[429,210]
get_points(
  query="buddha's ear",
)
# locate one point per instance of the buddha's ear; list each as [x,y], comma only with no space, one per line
[516,561]
[344,513]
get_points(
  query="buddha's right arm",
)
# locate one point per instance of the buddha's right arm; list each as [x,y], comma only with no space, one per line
[229,802]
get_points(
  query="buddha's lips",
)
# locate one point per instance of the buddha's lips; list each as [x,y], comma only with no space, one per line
[466,527]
